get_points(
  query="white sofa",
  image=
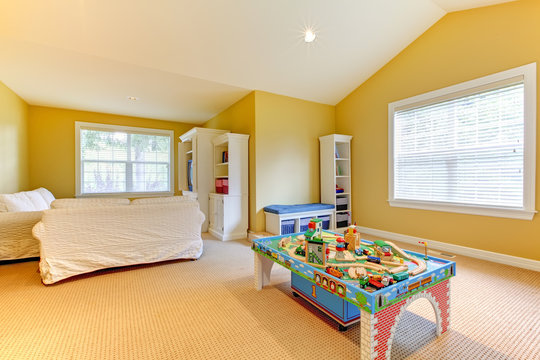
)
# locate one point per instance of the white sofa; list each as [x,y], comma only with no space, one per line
[79,239]
[19,213]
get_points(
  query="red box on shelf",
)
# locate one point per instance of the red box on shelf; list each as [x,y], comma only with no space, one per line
[219,186]
[225,186]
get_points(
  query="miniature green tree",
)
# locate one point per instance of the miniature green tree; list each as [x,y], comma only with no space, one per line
[361,298]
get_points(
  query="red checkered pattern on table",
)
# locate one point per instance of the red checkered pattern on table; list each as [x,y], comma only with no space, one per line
[386,318]
[441,292]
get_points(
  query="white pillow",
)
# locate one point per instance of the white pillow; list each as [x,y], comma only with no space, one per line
[47,195]
[35,200]
[18,202]
[87,202]
[160,200]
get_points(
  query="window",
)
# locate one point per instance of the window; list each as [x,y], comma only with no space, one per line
[123,160]
[468,148]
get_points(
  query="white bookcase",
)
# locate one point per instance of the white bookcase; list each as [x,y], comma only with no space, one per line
[228,212]
[196,146]
[335,157]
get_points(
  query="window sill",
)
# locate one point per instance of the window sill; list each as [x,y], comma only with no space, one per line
[465,209]
[126,195]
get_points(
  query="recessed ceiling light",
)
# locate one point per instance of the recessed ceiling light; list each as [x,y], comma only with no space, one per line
[133,98]
[309,35]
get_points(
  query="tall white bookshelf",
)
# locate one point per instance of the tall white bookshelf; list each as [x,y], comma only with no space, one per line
[228,207]
[335,157]
[197,148]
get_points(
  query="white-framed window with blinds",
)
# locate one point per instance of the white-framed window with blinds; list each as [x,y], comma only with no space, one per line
[468,148]
[123,161]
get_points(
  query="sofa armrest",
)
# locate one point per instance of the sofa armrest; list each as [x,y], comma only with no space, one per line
[16,240]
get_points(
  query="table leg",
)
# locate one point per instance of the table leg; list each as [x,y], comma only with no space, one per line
[263,267]
[377,330]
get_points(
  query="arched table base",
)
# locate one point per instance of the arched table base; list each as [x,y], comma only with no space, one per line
[377,330]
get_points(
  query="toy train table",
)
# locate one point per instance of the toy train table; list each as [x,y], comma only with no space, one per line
[351,280]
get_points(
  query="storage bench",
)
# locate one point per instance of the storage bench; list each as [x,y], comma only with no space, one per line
[286,219]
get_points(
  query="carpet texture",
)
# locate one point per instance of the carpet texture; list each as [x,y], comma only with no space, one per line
[208,309]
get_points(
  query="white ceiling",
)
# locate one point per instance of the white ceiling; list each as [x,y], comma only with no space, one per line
[188,60]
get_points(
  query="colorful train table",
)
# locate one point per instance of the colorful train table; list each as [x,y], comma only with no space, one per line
[352,279]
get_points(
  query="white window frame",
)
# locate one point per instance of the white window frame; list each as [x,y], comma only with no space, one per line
[125,129]
[527,74]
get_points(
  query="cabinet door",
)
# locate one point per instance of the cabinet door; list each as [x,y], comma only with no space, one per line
[211,212]
[219,226]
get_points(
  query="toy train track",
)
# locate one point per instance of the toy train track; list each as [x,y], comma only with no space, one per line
[351,258]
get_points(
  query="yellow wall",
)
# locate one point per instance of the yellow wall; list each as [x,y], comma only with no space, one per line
[13,142]
[240,118]
[460,47]
[52,144]
[287,150]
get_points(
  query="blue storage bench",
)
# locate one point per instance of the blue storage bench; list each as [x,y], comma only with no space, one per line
[281,219]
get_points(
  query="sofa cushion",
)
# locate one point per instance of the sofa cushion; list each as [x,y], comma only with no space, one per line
[87,202]
[160,200]
[291,209]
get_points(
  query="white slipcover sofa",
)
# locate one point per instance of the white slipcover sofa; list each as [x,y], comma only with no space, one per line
[78,239]
[19,213]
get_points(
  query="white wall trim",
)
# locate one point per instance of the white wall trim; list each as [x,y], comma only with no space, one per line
[457,249]
[227,237]
[465,209]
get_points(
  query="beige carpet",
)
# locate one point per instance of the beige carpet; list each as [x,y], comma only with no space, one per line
[208,309]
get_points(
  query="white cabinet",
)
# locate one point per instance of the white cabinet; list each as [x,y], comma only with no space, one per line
[195,166]
[230,194]
[226,218]
[336,186]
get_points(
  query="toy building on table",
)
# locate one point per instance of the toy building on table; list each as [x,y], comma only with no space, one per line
[315,245]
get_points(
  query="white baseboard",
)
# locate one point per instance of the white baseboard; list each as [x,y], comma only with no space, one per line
[227,237]
[457,249]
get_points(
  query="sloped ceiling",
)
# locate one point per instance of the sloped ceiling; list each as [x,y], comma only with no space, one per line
[189,60]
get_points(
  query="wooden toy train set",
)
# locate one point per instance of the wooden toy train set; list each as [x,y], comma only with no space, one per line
[352,279]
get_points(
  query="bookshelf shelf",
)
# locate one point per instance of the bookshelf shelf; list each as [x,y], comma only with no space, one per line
[335,167]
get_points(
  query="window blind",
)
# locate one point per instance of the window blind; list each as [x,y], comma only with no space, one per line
[118,162]
[466,150]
